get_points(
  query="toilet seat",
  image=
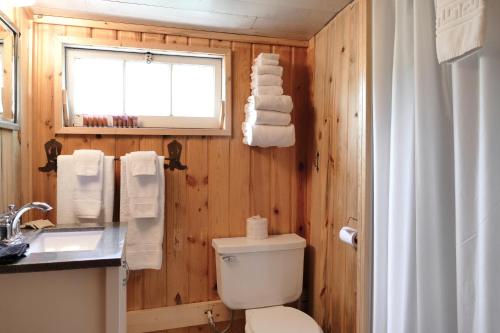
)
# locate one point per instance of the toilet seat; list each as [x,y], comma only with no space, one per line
[279,319]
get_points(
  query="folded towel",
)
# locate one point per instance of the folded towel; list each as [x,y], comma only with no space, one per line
[87,193]
[271,103]
[268,56]
[259,117]
[267,90]
[266,62]
[66,184]
[265,80]
[460,28]
[267,69]
[144,236]
[143,163]
[87,161]
[143,191]
[268,136]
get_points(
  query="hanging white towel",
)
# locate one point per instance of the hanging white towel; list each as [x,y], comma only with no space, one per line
[268,136]
[267,69]
[271,103]
[267,90]
[143,163]
[87,161]
[143,190]
[265,80]
[460,27]
[67,181]
[144,236]
[87,193]
[259,117]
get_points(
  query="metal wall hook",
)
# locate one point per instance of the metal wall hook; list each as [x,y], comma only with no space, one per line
[174,156]
[53,148]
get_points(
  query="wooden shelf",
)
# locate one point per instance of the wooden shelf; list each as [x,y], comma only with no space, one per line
[144,131]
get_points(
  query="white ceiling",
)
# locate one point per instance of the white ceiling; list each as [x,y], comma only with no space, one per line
[299,19]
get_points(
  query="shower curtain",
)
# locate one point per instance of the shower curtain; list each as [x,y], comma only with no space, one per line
[436,176]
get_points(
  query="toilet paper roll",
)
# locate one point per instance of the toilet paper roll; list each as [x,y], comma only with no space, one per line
[349,236]
[257,227]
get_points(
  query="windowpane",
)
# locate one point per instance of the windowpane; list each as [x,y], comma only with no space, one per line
[147,88]
[97,86]
[193,90]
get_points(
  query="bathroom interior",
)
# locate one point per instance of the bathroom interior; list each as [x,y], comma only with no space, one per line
[249,166]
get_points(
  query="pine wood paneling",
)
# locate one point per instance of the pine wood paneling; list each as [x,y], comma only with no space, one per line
[334,186]
[226,181]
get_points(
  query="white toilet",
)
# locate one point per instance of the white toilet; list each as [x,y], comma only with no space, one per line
[260,276]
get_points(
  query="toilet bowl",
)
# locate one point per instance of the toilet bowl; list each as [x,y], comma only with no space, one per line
[279,319]
[260,276]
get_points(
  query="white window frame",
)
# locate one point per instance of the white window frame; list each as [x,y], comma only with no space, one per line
[220,124]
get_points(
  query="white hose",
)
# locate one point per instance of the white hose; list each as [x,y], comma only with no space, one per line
[211,322]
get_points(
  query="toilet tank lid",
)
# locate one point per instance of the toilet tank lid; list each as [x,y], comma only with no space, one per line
[244,245]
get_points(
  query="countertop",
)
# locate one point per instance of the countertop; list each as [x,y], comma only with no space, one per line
[108,253]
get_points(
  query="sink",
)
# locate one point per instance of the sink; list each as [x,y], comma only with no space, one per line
[65,241]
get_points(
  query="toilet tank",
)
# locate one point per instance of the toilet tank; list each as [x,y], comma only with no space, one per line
[259,273]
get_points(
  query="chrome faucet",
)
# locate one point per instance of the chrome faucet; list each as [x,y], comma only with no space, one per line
[13,220]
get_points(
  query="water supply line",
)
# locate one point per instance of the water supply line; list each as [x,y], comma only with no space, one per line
[211,322]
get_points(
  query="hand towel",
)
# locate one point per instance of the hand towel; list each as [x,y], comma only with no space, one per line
[460,27]
[259,117]
[87,161]
[267,69]
[267,90]
[143,191]
[143,163]
[66,182]
[265,80]
[87,193]
[144,236]
[271,103]
[268,136]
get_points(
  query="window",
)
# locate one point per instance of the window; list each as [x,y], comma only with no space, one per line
[167,89]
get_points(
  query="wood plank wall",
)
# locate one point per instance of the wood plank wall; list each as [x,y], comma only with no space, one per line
[226,181]
[333,187]
[12,170]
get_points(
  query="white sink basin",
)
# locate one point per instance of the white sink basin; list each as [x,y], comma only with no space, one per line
[64,241]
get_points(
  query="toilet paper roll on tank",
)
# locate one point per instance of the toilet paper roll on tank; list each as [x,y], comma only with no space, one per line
[257,227]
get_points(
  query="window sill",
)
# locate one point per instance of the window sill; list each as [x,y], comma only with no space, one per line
[145,131]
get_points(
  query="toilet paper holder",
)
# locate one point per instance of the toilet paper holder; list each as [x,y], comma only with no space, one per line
[349,236]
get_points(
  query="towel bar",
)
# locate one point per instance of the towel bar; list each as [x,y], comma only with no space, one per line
[53,149]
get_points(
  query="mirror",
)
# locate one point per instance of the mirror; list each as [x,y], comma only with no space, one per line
[9,92]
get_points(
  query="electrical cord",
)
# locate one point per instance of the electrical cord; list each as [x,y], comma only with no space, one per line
[211,322]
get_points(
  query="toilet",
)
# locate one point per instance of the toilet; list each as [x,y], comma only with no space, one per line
[260,276]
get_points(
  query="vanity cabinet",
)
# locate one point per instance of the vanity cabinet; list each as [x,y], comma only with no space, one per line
[77,301]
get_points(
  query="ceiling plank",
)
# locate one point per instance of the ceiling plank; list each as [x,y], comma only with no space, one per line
[100,24]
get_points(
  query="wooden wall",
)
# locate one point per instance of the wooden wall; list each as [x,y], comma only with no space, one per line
[226,181]
[334,186]
[12,166]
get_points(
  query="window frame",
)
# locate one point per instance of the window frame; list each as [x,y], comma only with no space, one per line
[61,100]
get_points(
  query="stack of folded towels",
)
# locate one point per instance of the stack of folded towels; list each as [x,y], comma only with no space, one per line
[268,111]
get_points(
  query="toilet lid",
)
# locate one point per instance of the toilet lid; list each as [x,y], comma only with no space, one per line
[280,319]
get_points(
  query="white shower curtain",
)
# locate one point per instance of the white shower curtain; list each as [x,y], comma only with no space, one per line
[436,176]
